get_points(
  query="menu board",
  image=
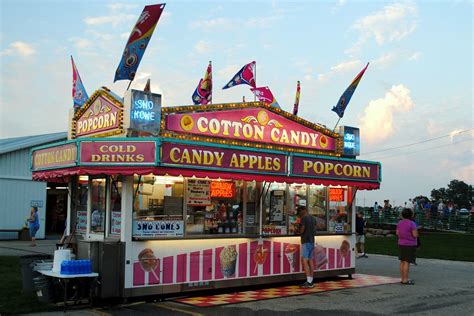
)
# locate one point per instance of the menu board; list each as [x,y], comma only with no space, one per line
[81,221]
[277,200]
[198,192]
[116,223]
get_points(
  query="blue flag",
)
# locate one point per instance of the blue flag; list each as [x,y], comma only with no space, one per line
[138,41]
[79,94]
[347,95]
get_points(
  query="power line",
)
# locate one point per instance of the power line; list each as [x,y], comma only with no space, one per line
[420,142]
[423,150]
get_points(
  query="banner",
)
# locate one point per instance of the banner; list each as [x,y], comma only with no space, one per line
[118,152]
[297,99]
[79,94]
[246,75]
[347,95]
[138,42]
[157,228]
[265,95]
[203,92]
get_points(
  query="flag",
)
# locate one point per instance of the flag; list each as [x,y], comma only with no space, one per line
[147,86]
[246,75]
[347,95]
[265,95]
[138,41]
[79,94]
[203,92]
[297,99]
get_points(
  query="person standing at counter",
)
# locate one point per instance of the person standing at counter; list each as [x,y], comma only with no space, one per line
[307,231]
[33,225]
[360,235]
[407,242]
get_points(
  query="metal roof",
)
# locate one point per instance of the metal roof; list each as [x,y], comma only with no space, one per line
[11,144]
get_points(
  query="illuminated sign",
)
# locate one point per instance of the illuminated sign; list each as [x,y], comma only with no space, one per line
[335,169]
[145,112]
[222,158]
[101,116]
[54,157]
[336,195]
[256,125]
[221,189]
[118,152]
[351,140]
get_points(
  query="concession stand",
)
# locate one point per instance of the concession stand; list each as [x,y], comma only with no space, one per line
[175,199]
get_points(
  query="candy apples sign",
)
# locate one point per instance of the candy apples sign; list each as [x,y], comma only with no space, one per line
[259,124]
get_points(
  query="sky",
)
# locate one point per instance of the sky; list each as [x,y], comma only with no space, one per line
[414,105]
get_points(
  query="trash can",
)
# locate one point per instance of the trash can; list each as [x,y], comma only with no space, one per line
[27,272]
[43,289]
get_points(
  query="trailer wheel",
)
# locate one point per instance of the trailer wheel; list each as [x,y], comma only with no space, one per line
[349,276]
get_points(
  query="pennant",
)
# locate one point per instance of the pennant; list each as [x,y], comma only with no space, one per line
[79,94]
[246,75]
[265,95]
[138,41]
[297,99]
[203,92]
[347,95]
[147,86]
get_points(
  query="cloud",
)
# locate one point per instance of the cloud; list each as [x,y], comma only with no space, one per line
[211,24]
[385,60]
[81,43]
[339,4]
[227,72]
[393,23]
[121,6]
[345,66]
[415,56]
[19,48]
[377,122]
[114,19]
[203,47]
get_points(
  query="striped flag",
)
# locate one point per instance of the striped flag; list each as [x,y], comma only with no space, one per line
[203,92]
[246,75]
[347,95]
[297,99]
[79,94]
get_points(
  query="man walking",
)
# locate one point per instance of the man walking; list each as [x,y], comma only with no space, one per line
[307,232]
[360,235]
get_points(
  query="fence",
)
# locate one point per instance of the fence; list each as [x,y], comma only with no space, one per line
[427,220]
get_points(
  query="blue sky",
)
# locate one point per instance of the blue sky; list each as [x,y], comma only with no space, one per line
[417,87]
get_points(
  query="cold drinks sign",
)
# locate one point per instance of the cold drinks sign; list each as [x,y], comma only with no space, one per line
[145,112]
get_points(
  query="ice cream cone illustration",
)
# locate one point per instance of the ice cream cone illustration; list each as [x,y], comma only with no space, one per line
[148,261]
[345,248]
[320,255]
[260,256]
[228,257]
[290,253]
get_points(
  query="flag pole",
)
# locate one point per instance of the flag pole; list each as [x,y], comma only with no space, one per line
[255,95]
[129,84]
[336,125]
[210,63]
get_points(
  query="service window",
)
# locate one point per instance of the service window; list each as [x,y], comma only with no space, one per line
[317,206]
[275,211]
[158,207]
[252,207]
[98,205]
[340,209]
[115,223]
[214,207]
[297,197]
[79,196]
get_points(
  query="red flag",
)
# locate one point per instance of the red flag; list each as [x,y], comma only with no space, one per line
[147,86]
[203,92]
[246,75]
[265,95]
[297,99]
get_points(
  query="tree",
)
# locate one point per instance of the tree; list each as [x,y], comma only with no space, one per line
[458,192]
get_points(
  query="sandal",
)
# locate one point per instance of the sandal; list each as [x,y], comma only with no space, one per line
[409,282]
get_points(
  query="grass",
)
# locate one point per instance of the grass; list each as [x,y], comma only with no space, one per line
[12,298]
[449,246]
